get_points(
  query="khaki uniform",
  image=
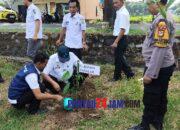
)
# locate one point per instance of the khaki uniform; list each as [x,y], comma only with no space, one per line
[160,63]
[157,56]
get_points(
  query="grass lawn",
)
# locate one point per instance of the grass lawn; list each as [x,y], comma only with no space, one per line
[90,30]
[117,119]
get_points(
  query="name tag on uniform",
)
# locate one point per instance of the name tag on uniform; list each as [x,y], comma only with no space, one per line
[89,69]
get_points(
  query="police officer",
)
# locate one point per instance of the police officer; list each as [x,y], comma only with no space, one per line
[121,30]
[160,63]
[33,28]
[59,64]
[74,27]
[26,88]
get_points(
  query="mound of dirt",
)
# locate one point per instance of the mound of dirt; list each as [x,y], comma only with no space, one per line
[87,91]
[58,118]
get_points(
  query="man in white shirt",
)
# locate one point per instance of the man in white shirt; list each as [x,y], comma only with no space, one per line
[74,27]
[26,88]
[60,64]
[33,28]
[121,30]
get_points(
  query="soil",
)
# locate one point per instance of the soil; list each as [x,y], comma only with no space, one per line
[58,118]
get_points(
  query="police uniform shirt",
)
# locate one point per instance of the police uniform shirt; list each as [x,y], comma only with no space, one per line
[156,54]
[74,27]
[32,81]
[57,69]
[122,21]
[33,14]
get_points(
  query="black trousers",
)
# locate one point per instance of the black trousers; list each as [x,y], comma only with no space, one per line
[28,98]
[50,87]
[155,97]
[77,52]
[120,60]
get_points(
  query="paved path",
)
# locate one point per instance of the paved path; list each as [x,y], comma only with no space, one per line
[17,26]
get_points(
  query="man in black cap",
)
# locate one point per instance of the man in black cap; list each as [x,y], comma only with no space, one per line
[1,79]
[60,64]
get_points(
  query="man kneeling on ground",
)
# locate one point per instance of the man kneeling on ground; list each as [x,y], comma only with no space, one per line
[60,64]
[26,88]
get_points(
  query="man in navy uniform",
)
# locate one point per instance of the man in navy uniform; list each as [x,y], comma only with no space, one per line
[26,88]
[160,64]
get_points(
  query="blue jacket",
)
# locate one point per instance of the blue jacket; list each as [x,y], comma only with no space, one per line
[19,85]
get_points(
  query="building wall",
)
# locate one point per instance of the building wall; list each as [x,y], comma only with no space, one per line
[48,1]
[91,9]
[37,2]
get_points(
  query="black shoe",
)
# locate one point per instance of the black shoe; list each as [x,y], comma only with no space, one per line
[1,79]
[139,127]
[157,126]
[130,76]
